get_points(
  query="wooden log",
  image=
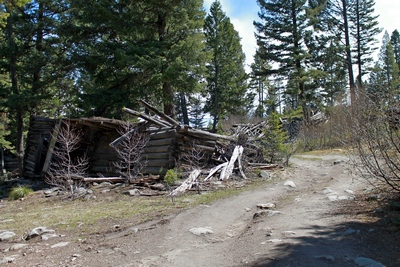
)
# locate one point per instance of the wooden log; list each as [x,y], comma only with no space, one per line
[104,179]
[227,171]
[162,135]
[240,162]
[215,169]
[154,170]
[52,144]
[147,118]
[159,113]
[206,135]
[187,184]
[157,149]
[150,156]
[158,162]
[159,142]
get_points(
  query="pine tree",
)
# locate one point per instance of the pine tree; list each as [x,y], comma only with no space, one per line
[395,39]
[280,38]
[226,77]
[384,83]
[364,29]
[136,49]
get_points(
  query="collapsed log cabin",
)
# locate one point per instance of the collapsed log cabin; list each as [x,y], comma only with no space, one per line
[172,142]
[169,142]
[97,134]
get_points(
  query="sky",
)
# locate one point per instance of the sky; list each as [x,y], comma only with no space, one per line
[242,13]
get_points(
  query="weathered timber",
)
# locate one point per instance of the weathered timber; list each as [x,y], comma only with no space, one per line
[205,135]
[159,162]
[227,171]
[215,169]
[187,184]
[150,156]
[146,117]
[159,142]
[161,114]
[157,149]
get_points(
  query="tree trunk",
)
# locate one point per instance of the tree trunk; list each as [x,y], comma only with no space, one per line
[19,115]
[184,108]
[348,54]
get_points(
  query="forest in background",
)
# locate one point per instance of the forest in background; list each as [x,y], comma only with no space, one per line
[71,58]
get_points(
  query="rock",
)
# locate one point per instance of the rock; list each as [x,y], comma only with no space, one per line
[59,245]
[336,162]
[158,186]
[265,175]
[262,213]
[105,184]
[7,260]
[17,247]
[327,191]
[6,235]
[333,198]
[351,231]
[266,206]
[106,190]
[38,231]
[134,192]
[51,192]
[349,191]
[288,233]
[346,198]
[48,236]
[248,209]
[290,184]
[326,257]
[201,231]
[365,262]
[275,240]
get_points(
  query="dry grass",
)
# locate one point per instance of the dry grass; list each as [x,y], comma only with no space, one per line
[100,214]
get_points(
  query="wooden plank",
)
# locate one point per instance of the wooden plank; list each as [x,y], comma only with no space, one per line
[159,113]
[52,144]
[146,117]
[157,149]
[159,142]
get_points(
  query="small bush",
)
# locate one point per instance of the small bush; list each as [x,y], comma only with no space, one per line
[20,192]
[171,177]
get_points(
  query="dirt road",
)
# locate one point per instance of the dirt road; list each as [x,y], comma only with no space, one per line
[304,229]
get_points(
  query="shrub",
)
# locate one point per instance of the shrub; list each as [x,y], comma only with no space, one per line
[171,177]
[20,192]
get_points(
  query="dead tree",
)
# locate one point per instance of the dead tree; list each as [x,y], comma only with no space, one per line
[129,150]
[66,170]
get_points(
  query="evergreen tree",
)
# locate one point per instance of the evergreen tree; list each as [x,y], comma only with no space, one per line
[395,39]
[331,18]
[384,83]
[29,56]
[280,38]
[128,50]
[266,95]
[364,29]
[226,77]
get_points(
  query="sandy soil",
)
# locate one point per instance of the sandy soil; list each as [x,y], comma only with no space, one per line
[323,221]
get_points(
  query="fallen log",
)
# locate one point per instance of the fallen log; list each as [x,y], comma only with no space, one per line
[157,112]
[187,184]
[240,162]
[227,171]
[215,169]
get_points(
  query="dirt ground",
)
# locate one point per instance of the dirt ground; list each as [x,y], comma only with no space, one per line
[324,216]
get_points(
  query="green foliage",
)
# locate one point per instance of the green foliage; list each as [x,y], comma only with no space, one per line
[274,139]
[226,77]
[171,177]
[20,192]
